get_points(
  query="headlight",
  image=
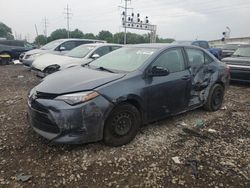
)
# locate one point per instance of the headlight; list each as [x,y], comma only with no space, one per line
[33,56]
[52,68]
[77,98]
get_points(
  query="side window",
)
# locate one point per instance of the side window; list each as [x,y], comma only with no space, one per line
[115,47]
[208,59]
[195,57]
[102,51]
[204,45]
[78,43]
[172,60]
[69,45]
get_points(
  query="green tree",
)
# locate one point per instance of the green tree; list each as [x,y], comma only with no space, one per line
[76,34]
[58,34]
[40,40]
[89,36]
[119,38]
[105,35]
[5,31]
[166,40]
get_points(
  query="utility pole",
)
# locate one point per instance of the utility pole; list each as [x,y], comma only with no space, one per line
[68,14]
[45,26]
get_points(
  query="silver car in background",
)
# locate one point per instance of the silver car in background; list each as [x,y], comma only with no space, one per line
[60,47]
[84,54]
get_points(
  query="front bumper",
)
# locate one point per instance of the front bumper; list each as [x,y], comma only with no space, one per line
[38,73]
[27,62]
[60,122]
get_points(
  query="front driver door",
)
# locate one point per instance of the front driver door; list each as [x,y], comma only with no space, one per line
[166,95]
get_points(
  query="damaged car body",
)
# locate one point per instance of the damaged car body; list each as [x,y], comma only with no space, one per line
[110,98]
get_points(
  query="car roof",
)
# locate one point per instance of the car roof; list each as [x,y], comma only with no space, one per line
[162,45]
[101,44]
[73,39]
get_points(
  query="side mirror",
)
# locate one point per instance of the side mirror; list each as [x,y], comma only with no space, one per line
[62,48]
[95,56]
[158,71]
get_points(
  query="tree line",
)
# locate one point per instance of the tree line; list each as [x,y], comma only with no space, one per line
[132,38]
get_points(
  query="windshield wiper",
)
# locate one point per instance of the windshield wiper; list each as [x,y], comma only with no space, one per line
[105,69]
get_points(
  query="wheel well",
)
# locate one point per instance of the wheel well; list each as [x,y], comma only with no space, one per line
[221,83]
[136,104]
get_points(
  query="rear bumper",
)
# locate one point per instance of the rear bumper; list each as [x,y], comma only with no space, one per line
[240,73]
[62,123]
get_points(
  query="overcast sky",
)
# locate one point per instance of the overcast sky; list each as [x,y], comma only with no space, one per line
[179,19]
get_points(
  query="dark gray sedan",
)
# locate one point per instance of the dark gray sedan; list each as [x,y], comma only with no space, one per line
[239,64]
[110,98]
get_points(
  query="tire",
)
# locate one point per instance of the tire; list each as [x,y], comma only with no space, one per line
[215,98]
[122,125]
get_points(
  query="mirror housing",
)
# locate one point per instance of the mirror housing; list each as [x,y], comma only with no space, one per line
[158,71]
[62,48]
[95,56]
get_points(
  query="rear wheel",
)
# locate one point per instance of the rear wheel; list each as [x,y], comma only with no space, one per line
[122,125]
[215,98]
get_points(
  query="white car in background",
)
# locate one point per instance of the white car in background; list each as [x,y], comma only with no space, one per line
[84,54]
[60,47]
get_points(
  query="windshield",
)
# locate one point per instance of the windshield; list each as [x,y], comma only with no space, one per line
[80,51]
[126,59]
[242,51]
[52,45]
[230,47]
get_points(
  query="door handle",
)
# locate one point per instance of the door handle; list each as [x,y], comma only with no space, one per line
[186,77]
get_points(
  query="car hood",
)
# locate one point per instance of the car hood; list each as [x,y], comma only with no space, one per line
[36,51]
[237,60]
[76,79]
[46,60]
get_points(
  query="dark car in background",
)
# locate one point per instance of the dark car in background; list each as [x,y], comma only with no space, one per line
[230,48]
[14,48]
[239,64]
[58,47]
[110,98]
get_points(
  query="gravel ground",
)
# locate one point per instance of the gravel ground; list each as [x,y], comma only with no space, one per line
[195,149]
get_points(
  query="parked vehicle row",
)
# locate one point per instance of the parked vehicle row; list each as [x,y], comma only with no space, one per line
[83,54]
[217,52]
[111,97]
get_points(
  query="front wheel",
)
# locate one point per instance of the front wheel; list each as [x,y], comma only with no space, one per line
[122,125]
[215,98]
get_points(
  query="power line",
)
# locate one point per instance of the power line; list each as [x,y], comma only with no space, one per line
[68,14]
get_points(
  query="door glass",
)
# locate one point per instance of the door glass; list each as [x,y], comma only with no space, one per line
[102,51]
[69,45]
[115,48]
[172,60]
[195,57]
[208,59]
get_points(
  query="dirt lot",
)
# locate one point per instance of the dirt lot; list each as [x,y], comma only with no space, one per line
[213,149]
